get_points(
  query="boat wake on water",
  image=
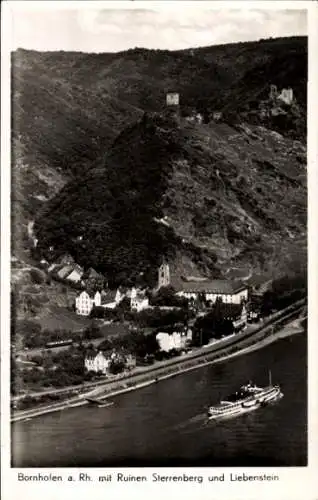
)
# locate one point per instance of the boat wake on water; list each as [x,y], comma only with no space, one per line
[196,422]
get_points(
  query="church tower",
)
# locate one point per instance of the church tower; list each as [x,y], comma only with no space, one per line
[163,275]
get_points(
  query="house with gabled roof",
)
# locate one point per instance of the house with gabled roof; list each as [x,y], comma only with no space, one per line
[64,270]
[259,284]
[112,298]
[71,272]
[92,274]
[76,274]
[138,300]
[97,362]
[100,361]
[84,303]
[61,262]
[93,278]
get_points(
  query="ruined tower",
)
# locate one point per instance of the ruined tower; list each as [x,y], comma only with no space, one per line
[172,99]
[286,96]
[173,104]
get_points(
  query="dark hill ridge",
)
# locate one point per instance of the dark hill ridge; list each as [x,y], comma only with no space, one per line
[212,194]
[279,61]
[113,208]
[69,109]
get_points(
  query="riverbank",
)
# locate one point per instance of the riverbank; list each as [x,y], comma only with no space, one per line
[216,354]
[286,332]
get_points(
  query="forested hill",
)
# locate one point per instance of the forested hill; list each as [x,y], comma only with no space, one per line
[254,65]
[212,196]
[69,106]
[80,143]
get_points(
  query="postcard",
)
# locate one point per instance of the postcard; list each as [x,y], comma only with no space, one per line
[159,249]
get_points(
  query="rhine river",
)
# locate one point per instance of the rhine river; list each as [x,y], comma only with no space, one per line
[165,424]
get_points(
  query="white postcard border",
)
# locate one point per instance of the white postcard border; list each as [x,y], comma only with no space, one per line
[295,482]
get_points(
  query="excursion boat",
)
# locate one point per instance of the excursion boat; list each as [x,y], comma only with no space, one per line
[248,398]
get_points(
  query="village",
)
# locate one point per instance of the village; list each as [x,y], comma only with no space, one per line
[199,297]
[182,314]
[130,329]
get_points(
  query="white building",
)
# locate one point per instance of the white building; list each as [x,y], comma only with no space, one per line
[165,341]
[138,300]
[97,363]
[176,340]
[84,303]
[231,292]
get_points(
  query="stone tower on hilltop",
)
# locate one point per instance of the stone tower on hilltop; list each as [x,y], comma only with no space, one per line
[172,104]
[163,275]
[172,99]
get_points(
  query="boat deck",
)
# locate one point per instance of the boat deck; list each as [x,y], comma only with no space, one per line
[245,394]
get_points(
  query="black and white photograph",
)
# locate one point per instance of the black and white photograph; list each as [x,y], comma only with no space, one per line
[158,237]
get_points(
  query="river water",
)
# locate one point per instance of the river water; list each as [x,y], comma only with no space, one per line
[165,424]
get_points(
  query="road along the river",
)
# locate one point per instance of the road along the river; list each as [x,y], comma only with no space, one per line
[235,345]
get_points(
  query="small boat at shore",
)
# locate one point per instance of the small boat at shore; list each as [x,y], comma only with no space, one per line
[99,402]
[106,405]
[248,398]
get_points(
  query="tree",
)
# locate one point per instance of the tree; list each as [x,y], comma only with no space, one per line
[267,303]
[214,324]
[97,312]
[166,296]
[37,277]
[116,366]
[93,332]
[123,306]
